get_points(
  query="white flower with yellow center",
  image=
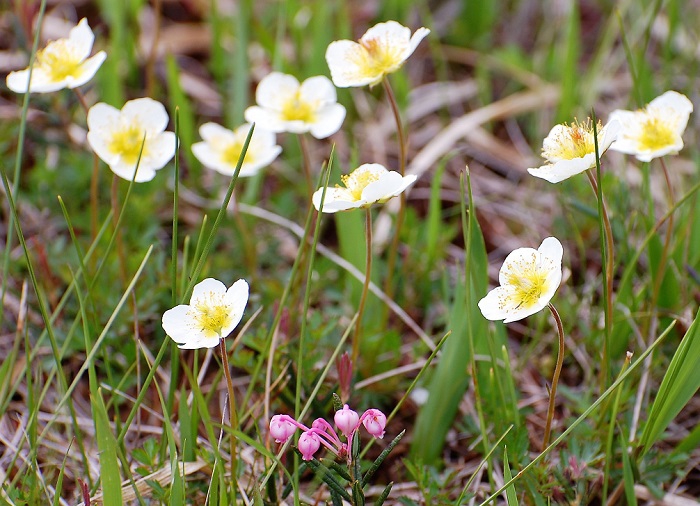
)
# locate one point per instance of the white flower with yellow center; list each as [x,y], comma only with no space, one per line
[211,315]
[284,105]
[63,63]
[117,137]
[655,130]
[222,148]
[529,277]
[366,185]
[381,51]
[570,149]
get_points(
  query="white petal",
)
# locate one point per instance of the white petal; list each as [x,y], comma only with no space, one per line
[329,119]
[148,113]
[563,169]
[125,170]
[552,249]
[18,81]
[672,100]
[511,264]
[161,150]
[81,35]
[237,296]
[215,133]
[178,324]
[206,286]
[382,189]
[347,62]
[416,39]
[389,33]
[405,183]
[101,118]
[491,305]
[88,69]
[337,199]
[268,119]
[318,89]
[275,90]
[611,132]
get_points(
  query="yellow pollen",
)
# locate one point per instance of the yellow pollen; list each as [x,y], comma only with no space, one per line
[655,134]
[211,313]
[58,60]
[575,141]
[381,58]
[298,109]
[357,181]
[126,142]
[232,152]
[529,281]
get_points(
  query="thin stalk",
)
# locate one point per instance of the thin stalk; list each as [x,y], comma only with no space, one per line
[94,181]
[607,287]
[394,248]
[661,267]
[232,415]
[365,287]
[304,145]
[555,378]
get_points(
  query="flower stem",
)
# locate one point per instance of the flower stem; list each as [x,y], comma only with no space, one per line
[394,248]
[365,287]
[555,378]
[303,143]
[661,266]
[232,415]
[609,260]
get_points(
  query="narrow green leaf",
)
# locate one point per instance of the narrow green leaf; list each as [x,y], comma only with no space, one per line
[511,496]
[628,475]
[110,476]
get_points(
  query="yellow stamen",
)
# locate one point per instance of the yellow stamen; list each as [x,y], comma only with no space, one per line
[298,109]
[59,60]
[381,58]
[574,141]
[357,181]
[126,142]
[529,279]
[655,134]
[232,153]
[211,313]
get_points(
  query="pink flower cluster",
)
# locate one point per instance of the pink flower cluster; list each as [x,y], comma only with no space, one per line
[322,433]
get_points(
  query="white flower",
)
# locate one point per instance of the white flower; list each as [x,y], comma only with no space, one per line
[528,281]
[366,185]
[570,149]
[381,51]
[286,106]
[116,136]
[222,148]
[211,315]
[655,130]
[63,63]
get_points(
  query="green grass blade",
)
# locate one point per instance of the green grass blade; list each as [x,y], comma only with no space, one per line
[511,496]
[681,381]
[110,476]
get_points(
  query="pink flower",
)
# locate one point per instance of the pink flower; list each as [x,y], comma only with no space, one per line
[309,443]
[346,420]
[374,421]
[281,428]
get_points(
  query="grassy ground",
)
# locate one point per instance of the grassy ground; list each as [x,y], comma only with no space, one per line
[95,398]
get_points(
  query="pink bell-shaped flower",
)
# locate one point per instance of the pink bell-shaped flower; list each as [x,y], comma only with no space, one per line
[309,443]
[281,428]
[375,422]
[346,420]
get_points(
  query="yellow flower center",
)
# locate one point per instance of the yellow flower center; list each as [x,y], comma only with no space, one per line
[529,281]
[232,153]
[381,58]
[211,313]
[655,134]
[357,181]
[126,142]
[574,141]
[59,60]
[298,109]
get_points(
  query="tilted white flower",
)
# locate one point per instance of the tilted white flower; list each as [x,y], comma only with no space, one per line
[381,51]
[63,63]
[529,278]
[284,105]
[655,130]
[570,149]
[116,136]
[366,185]
[222,148]
[211,315]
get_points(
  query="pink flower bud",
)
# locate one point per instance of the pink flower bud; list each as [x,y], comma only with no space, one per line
[346,420]
[281,428]
[374,421]
[309,444]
